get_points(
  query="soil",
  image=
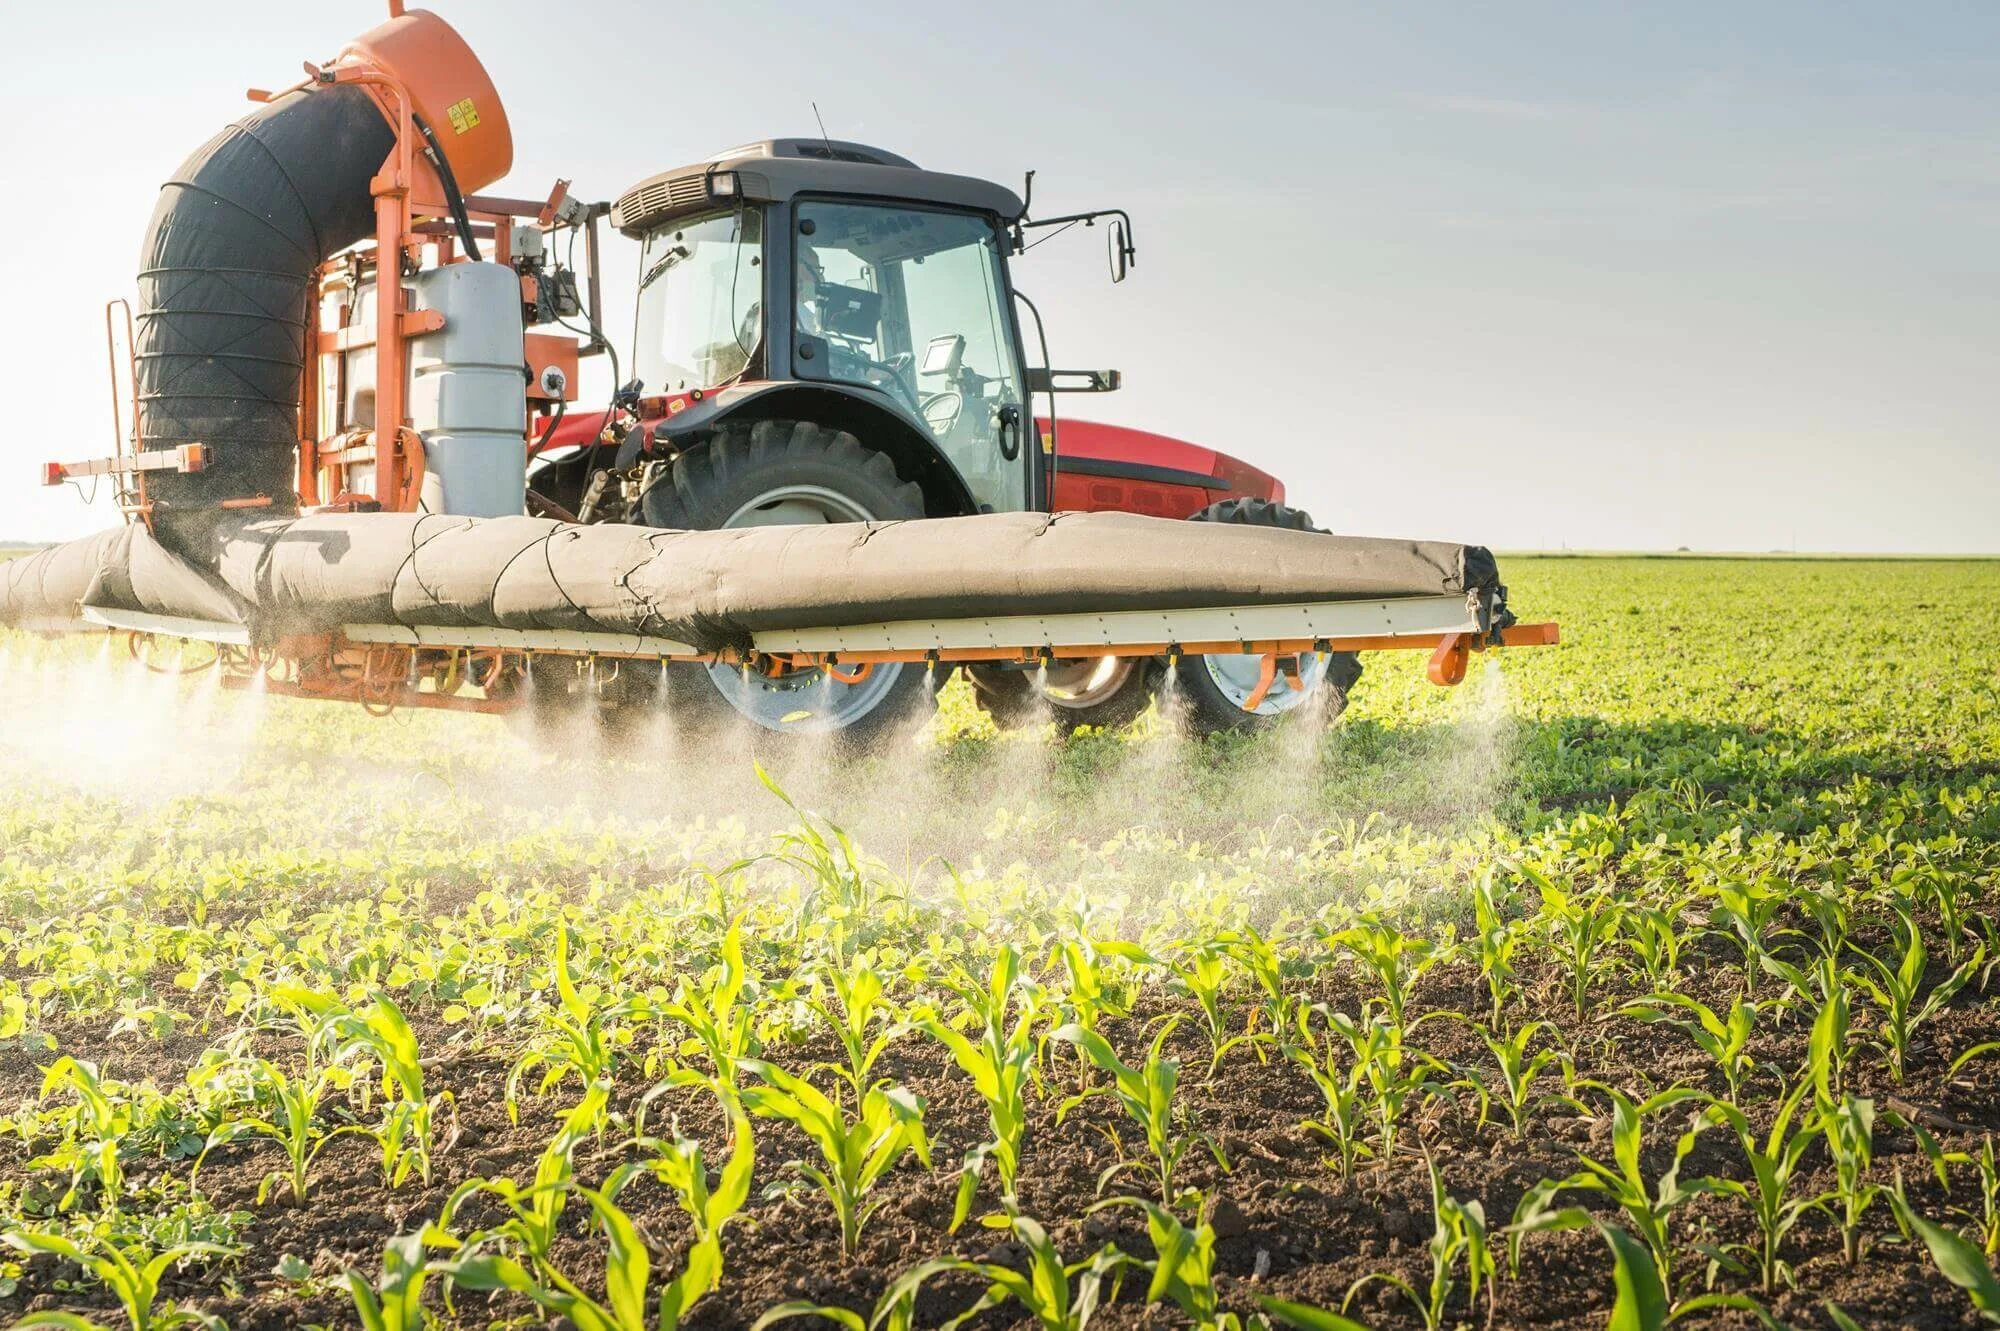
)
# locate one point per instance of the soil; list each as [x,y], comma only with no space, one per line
[1287,1225]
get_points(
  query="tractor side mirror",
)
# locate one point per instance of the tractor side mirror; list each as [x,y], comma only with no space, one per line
[1118,244]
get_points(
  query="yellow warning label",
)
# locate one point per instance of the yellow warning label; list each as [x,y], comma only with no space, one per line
[464,115]
[1048,442]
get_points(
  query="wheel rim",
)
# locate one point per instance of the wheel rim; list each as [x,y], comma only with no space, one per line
[1079,685]
[1235,677]
[803,702]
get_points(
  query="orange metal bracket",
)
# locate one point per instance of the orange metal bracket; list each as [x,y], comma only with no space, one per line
[1448,661]
[1267,675]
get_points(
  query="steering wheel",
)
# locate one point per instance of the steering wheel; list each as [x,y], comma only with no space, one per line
[942,410]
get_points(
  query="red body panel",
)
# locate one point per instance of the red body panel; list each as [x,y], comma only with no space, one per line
[1098,467]
[1194,477]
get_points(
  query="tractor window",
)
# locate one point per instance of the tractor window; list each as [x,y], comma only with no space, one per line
[912,302]
[701,301]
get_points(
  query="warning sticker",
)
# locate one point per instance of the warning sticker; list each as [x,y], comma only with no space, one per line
[464,115]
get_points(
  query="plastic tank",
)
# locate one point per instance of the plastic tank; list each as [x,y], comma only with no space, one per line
[467,397]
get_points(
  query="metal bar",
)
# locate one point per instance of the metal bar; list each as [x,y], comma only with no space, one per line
[168,626]
[571,641]
[400,698]
[1305,620]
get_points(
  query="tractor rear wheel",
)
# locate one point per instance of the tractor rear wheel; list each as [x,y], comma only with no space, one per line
[1207,693]
[777,473]
[1106,692]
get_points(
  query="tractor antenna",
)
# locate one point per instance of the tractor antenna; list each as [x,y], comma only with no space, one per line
[822,130]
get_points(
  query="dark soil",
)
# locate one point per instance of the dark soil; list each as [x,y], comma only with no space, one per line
[1287,1225]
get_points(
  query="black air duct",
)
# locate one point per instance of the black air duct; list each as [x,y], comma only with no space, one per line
[225,296]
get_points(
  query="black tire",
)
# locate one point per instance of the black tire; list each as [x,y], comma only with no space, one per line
[1013,699]
[715,485]
[712,482]
[1199,704]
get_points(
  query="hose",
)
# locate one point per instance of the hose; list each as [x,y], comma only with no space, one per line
[452,198]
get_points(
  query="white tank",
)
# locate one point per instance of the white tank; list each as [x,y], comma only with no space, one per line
[467,397]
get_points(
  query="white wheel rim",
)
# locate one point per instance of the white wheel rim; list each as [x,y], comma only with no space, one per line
[1235,677]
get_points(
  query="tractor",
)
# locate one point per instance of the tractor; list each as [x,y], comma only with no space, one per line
[826,333]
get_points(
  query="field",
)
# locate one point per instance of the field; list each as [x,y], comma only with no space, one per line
[1651,978]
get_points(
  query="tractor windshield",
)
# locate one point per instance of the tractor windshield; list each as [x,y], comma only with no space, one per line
[913,302]
[701,301]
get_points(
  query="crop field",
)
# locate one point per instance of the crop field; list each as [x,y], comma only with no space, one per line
[1652,979]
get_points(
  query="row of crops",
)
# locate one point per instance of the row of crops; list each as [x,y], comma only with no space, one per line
[1683,1012]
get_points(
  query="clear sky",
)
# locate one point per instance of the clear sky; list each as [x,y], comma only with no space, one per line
[1604,275]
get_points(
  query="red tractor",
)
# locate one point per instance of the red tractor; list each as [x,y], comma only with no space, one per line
[826,333]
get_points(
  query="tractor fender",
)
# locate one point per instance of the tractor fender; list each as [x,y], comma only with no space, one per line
[858,411]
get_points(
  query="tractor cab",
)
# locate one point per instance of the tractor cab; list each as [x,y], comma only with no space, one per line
[804,264]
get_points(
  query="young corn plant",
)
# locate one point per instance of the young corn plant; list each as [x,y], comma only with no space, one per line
[1897,991]
[860,1017]
[854,1153]
[580,1036]
[1957,1258]
[1648,1205]
[1723,1036]
[130,1271]
[1000,1060]
[1183,1266]
[1775,1159]
[408,1132]
[395,1302]
[1343,1123]
[1394,958]
[535,1212]
[1847,1126]
[1259,956]
[1391,1077]
[1458,1233]
[627,1276]
[1147,1095]
[292,1121]
[1054,1295]
[1642,1302]
[1518,1072]
[1497,938]
[680,1164]
[718,1010]
[95,1127]
[1202,971]
[1579,927]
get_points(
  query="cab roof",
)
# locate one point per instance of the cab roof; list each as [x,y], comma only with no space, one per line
[775,170]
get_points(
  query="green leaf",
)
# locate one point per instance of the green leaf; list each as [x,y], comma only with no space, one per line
[1304,1317]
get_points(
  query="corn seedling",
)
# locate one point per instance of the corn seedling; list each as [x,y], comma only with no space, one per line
[292,1122]
[681,1165]
[1183,1266]
[627,1276]
[1497,938]
[719,1020]
[1897,991]
[1723,1036]
[1259,956]
[1391,1077]
[130,1271]
[859,1017]
[1001,1063]
[1202,971]
[1649,1206]
[1343,1122]
[408,1132]
[854,1153]
[1579,928]
[1848,1128]
[1147,1095]
[1518,1072]
[536,1210]
[1459,1233]
[1394,958]
[581,1036]
[1052,1294]
[395,1302]
[1774,1158]
[1957,1259]
[94,1128]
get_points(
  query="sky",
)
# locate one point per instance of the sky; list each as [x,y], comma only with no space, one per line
[1531,275]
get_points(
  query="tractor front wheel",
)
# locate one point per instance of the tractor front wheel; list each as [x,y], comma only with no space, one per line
[1207,694]
[779,473]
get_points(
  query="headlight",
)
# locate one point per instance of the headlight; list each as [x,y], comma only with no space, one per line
[722,184]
